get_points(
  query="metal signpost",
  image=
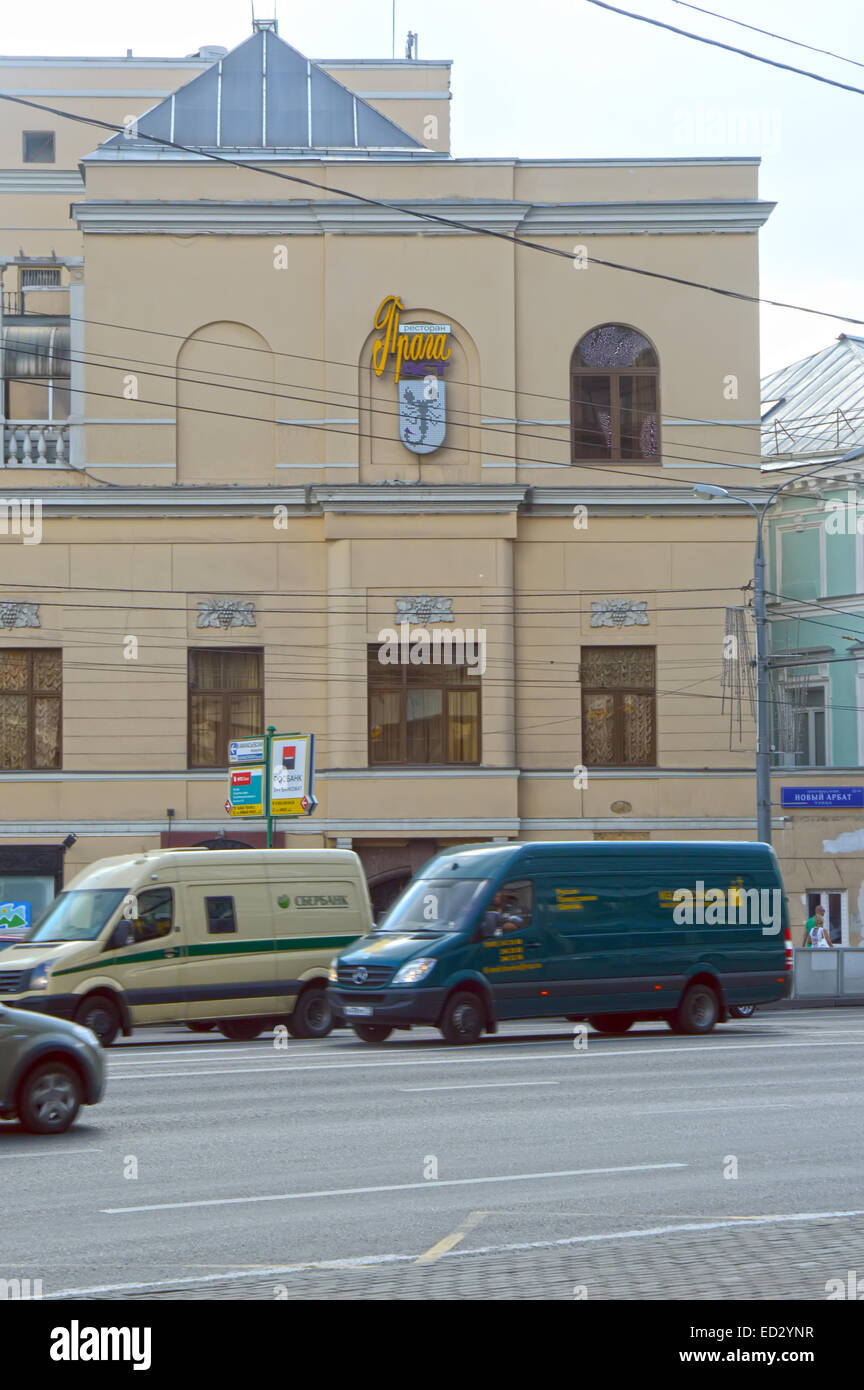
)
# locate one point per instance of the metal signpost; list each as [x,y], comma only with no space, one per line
[272,776]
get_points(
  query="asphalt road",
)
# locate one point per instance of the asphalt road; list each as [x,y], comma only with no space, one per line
[412,1169]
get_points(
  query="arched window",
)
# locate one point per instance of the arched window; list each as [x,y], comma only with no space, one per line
[614,396]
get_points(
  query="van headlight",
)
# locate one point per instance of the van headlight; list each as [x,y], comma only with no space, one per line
[332,973]
[414,970]
[38,977]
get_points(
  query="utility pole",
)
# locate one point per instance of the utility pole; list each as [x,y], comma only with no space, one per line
[760,616]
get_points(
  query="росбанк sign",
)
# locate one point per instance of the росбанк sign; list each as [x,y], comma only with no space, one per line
[822,798]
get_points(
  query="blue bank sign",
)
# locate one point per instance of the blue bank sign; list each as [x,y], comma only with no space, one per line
[822,798]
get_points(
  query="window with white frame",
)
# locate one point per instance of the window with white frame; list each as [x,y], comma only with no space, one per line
[801,726]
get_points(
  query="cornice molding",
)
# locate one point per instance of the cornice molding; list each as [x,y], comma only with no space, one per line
[42,180]
[343,217]
[392,499]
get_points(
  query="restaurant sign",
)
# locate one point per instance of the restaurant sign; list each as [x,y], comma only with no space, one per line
[419,352]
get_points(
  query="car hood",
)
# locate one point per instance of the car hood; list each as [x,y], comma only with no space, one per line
[393,948]
[31,1023]
[26,956]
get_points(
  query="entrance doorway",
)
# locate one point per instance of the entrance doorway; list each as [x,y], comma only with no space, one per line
[836,912]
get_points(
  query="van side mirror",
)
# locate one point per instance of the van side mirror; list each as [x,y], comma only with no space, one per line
[489,926]
[122,935]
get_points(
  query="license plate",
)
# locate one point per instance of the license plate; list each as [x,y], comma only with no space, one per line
[358,1010]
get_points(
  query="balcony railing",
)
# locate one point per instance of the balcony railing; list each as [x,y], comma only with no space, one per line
[31,443]
[13,302]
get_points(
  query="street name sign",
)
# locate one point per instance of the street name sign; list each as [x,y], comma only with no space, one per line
[822,798]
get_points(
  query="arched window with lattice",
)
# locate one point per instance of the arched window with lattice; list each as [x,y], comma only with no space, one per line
[614,396]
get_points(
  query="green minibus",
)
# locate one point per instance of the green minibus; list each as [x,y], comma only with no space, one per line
[611,932]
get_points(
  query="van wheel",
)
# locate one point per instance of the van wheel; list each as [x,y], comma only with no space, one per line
[463,1019]
[611,1023]
[372,1032]
[312,1016]
[200,1027]
[742,1010]
[241,1029]
[697,1012]
[101,1015]
[49,1099]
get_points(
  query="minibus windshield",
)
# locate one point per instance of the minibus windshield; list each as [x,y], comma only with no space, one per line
[76,916]
[434,905]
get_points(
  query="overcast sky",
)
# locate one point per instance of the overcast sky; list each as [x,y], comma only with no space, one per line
[561,78]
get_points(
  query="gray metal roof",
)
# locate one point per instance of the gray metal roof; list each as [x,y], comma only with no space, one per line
[815,407]
[265,95]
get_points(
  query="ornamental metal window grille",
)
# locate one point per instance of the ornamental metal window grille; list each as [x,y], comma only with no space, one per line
[618,706]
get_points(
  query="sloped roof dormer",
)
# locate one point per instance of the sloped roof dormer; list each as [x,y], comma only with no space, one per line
[264,95]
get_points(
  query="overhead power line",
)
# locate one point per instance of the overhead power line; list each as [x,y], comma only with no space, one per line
[796,43]
[439,218]
[463,418]
[507,461]
[730,48]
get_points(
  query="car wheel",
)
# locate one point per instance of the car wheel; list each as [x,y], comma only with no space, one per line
[463,1019]
[697,1012]
[200,1027]
[312,1016]
[742,1010]
[372,1032]
[101,1015]
[49,1099]
[611,1023]
[241,1029]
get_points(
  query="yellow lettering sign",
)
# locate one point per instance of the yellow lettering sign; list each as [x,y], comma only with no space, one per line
[386,318]
[417,345]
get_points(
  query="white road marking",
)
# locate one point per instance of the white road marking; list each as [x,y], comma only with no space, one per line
[50,1153]
[392,1187]
[700,1048]
[374,1261]
[479,1086]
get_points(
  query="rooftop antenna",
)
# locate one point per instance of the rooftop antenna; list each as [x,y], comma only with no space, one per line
[260,25]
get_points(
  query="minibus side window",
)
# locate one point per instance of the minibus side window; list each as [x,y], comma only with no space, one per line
[511,909]
[155,914]
[221,916]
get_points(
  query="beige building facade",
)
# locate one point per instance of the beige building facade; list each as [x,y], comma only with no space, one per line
[280,398]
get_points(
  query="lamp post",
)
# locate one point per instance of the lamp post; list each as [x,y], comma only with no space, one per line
[763,710]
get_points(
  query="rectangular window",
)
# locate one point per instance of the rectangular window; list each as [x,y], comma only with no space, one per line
[618,707]
[155,914]
[31,687]
[221,917]
[37,398]
[40,275]
[226,701]
[38,147]
[614,415]
[800,727]
[423,714]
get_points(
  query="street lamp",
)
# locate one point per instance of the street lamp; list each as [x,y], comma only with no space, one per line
[763,712]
